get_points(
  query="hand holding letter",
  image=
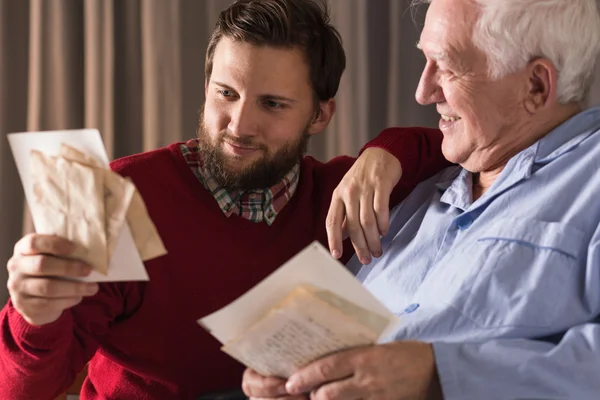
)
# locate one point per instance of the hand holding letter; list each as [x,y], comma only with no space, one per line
[394,371]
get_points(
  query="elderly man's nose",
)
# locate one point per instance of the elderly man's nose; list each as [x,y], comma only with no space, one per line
[428,90]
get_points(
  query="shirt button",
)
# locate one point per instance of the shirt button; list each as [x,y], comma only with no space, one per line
[464,222]
[411,308]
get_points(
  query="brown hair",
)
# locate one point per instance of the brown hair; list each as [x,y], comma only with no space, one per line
[301,24]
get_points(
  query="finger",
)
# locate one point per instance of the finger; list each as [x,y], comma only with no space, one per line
[42,265]
[328,369]
[381,205]
[355,231]
[345,389]
[44,304]
[345,234]
[53,288]
[44,244]
[334,227]
[257,385]
[368,222]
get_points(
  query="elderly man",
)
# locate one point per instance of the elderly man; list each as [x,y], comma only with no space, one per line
[495,266]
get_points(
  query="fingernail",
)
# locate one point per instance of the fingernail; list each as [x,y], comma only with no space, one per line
[365,260]
[290,387]
[377,254]
[335,254]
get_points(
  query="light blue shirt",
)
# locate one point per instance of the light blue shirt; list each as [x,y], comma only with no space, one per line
[507,288]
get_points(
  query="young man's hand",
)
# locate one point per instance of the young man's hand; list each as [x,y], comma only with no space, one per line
[360,204]
[256,386]
[40,278]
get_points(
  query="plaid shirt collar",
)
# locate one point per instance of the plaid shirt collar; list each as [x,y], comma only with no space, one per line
[254,205]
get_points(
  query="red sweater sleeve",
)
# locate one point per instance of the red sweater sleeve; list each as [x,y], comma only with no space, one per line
[41,362]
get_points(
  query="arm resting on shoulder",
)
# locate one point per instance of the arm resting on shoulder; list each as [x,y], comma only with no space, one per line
[419,151]
[375,183]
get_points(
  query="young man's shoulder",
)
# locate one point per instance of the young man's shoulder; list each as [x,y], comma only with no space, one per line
[336,163]
[330,172]
[147,162]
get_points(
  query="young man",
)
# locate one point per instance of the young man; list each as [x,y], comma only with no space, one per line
[231,206]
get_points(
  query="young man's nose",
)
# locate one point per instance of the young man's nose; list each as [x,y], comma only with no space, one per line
[244,120]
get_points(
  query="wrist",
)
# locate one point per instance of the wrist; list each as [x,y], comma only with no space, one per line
[388,161]
[38,336]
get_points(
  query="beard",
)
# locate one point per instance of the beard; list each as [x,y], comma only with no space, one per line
[263,173]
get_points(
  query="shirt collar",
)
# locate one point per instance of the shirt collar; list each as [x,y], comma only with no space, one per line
[567,135]
[254,205]
[457,189]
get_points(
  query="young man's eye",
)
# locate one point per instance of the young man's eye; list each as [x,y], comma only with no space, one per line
[225,93]
[273,104]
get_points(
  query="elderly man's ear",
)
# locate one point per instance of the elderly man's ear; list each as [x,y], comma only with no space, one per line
[543,79]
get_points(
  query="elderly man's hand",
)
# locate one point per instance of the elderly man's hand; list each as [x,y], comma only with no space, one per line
[360,204]
[395,371]
[256,386]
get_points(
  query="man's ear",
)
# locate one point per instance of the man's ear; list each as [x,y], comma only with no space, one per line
[543,81]
[322,119]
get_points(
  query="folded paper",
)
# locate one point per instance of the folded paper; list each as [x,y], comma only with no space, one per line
[76,197]
[68,202]
[309,307]
[307,324]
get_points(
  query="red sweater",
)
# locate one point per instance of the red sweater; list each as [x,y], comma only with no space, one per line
[142,337]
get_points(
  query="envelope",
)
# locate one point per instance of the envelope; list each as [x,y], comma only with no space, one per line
[79,155]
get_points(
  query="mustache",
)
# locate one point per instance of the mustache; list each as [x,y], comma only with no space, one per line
[226,136]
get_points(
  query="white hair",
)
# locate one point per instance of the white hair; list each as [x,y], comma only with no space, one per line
[567,32]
